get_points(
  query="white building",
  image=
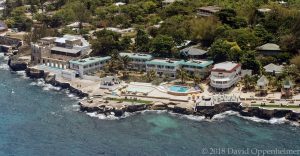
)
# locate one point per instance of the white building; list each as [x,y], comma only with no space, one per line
[58,51]
[201,67]
[137,60]
[164,67]
[88,65]
[224,75]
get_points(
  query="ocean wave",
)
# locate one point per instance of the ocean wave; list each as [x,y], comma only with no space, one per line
[195,118]
[4,66]
[224,115]
[44,85]
[103,116]
[274,121]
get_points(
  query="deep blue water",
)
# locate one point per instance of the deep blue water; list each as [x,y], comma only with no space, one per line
[36,122]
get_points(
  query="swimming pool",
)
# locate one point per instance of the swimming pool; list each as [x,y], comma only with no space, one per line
[179,89]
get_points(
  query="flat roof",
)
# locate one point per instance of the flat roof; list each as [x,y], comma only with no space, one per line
[165,62]
[66,50]
[90,60]
[225,66]
[137,55]
[198,63]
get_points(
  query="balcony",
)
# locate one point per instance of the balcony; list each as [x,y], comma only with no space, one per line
[225,83]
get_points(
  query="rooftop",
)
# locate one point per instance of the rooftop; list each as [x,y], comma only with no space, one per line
[198,63]
[269,46]
[270,68]
[137,56]
[212,9]
[193,51]
[225,66]
[169,1]
[262,81]
[3,26]
[287,83]
[90,60]
[264,10]
[165,62]
[71,38]
[66,50]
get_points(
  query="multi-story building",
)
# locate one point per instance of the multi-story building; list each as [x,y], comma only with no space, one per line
[201,67]
[164,67]
[58,51]
[137,60]
[88,65]
[224,75]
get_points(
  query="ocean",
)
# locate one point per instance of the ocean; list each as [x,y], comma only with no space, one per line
[38,119]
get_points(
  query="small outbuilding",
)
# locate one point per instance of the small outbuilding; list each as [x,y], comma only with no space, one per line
[269,49]
[110,83]
[287,88]
[262,85]
[193,52]
[273,69]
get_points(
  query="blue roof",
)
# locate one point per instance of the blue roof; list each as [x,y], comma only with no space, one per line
[198,63]
[165,62]
[90,60]
[137,56]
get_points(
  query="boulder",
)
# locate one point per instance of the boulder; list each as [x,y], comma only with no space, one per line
[17,65]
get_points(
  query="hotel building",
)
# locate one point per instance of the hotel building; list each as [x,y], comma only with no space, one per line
[137,60]
[58,51]
[88,65]
[164,67]
[224,75]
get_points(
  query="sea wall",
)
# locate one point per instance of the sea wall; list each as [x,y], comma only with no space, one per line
[50,79]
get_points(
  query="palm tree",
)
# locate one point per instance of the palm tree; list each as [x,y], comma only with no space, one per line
[151,75]
[197,78]
[249,82]
[182,74]
[125,61]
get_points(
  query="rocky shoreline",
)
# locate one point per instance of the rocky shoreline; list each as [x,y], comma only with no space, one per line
[206,111]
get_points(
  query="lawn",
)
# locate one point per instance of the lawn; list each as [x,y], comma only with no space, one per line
[275,106]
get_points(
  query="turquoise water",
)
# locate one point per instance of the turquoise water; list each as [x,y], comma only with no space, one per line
[180,89]
[35,121]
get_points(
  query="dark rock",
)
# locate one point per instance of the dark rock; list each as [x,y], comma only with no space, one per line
[17,65]
[118,112]
[136,107]
[209,112]
[35,73]
[181,110]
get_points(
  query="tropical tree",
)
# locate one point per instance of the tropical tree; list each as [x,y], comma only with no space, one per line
[142,40]
[197,77]
[249,61]
[182,74]
[151,75]
[249,82]
[162,45]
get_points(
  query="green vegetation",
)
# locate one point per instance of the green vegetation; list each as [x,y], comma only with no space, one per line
[232,34]
[134,100]
[275,106]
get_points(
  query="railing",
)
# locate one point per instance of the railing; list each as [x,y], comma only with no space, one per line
[225,85]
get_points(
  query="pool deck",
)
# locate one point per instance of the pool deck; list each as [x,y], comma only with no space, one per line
[160,94]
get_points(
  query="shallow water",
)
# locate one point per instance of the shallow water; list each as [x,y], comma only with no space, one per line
[36,119]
